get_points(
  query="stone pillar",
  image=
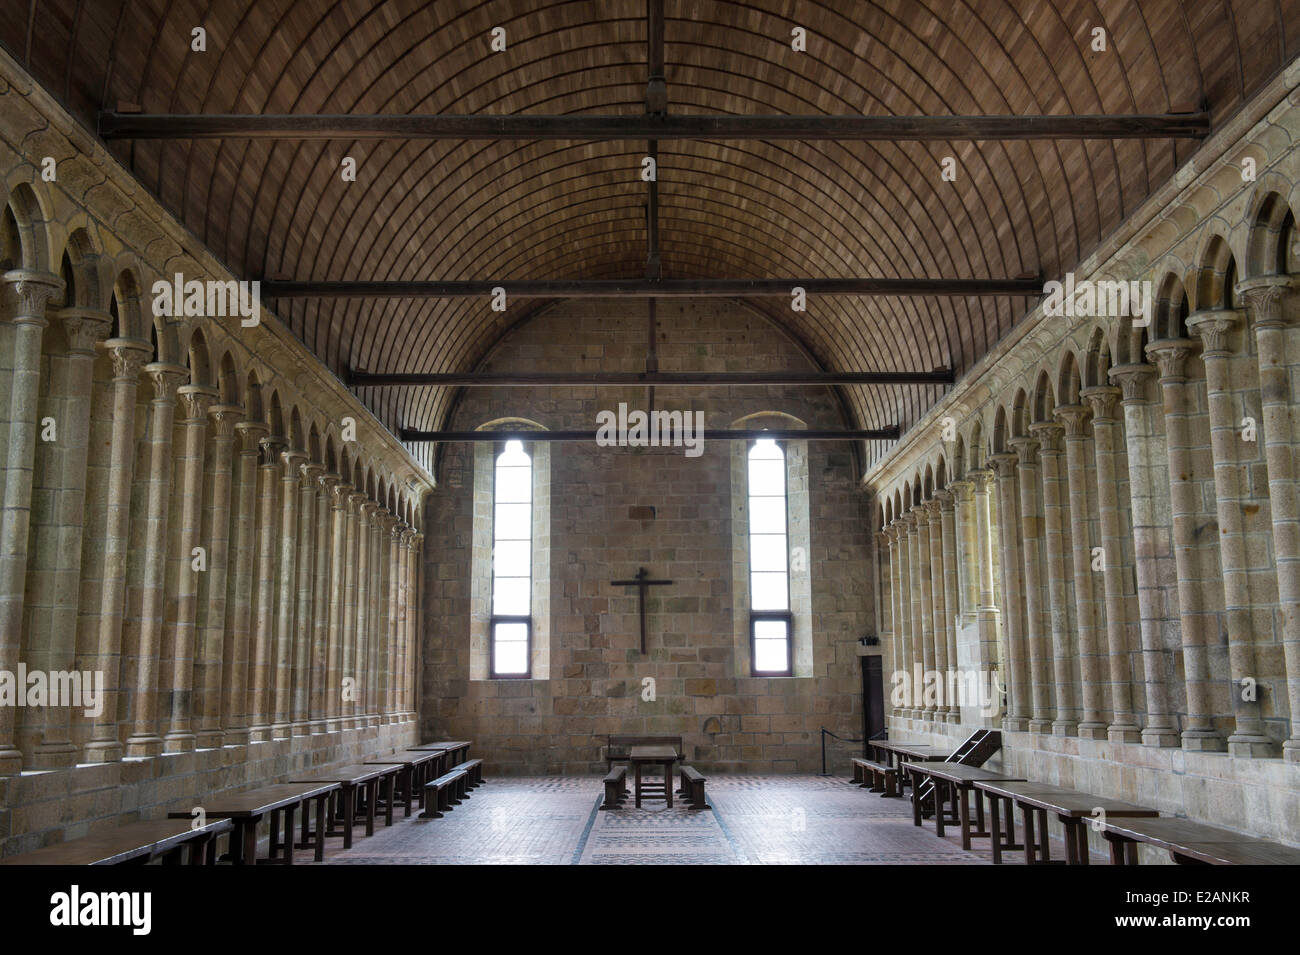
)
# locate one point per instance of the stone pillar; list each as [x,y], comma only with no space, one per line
[925,588]
[129,357]
[394,617]
[287,596]
[1036,632]
[1226,411]
[378,597]
[1103,400]
[217,522]
[913,568]
[323,597]
[950,611]
[365,511]
[986,608]
[339,559]
[180,737]
[1273,299]
[895,636]
[1064,649]
[413,656]
[54,576]
[965,547]
[29,291]
[304,622]
[1005,466]
[1197,614]
[261,670]
[242,587]
[144,739]
[348,671]
[1152,544]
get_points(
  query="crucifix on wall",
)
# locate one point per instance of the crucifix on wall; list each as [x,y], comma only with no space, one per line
[641,581]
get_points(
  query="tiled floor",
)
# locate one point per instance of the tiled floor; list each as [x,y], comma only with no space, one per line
[754,820]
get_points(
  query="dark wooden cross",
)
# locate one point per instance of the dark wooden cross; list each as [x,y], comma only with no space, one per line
[641,581]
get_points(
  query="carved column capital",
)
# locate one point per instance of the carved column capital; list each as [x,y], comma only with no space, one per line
[396,530]
[327,481]
[1265,295]
[290,459]
[1213,326]
[1103,400]
[1004,464]
[944,501]
[310,472]
[85,328]
[920,515]
[342,494]
[1026,450]
[224,419]
[1049,434]
[981,479]
[355,500]
[271,446]
[1170,356]
[166,378]
[1132,380]
[250,436]
[129,356]
[31,291]
[963,491]
[197,399]
[416,540]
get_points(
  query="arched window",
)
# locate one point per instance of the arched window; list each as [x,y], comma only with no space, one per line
[769,569]
[512,534]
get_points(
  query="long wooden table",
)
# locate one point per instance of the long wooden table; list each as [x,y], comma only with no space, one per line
[418,767]
[1073,809]
[354,780]
[134,842]
[640,756]
[1193,843]
[457,751]
[247,809]
[960,780]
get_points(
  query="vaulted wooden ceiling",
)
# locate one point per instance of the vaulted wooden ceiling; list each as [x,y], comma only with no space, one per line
[540,210]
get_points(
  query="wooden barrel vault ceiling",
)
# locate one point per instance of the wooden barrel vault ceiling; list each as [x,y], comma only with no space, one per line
[435,209]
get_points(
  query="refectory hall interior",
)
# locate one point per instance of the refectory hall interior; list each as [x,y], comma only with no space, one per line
[649,431]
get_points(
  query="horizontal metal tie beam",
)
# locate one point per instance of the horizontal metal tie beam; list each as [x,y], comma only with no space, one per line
[361,379]
[749,434]
[653,288]
[119,125]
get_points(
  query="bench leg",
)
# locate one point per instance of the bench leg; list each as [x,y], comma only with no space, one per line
[995,825]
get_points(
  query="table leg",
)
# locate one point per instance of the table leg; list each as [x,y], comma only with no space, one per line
[275,834]
[916,799]
[940,797]
[1044,852]
[349,814]
[372,790]
[964,806]
[1071,840]
[320,825]
[1028,815]
[668,782]
[388,798]
[406,783]
[997,829]
[288,830]
[638,785]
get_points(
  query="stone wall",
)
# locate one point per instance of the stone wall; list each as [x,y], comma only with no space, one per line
[602,529]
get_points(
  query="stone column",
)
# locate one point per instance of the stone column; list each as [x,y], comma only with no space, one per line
[413,675]
[348,671]
[1064,650]
[403,606]
[287,597]
[129,356]
[965,547]
[54,577]
[241,590]
[365,512]
[383,631]
[339,560]
[948,525]
[1226,411]
[304,622]
[1031,532]
[323,597]
[1005,466]
[261,671]
[29,291]
[378,598]
[938,607]
[1274,301]
[924,588]
[394,617]
[986,608]
[1152,544]
[180,737]
[217,521]
[895,636]
[1103,400]
[1197,614]
[144,739]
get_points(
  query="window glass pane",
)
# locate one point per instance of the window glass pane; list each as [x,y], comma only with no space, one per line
[771,646]
[767,515]
[770,630]
[511,648]
[510,595]
[514,485]
[768,591]
[511,558]
[513,522]
[767,553]
[766,478]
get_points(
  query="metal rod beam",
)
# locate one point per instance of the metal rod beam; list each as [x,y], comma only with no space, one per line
[651,288]
[360,379]
[791,434]
[115,125]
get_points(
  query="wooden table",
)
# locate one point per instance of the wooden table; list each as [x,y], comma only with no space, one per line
[353,780]
[136,842]
[246,810]
[665,756]
[1073,808]
[456,749]
[961,780]
[1192,843]
[415,771]
[895,751]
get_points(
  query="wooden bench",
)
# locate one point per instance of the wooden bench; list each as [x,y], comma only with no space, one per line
[358,793]
[418,766]
[876,777]
[615,787]
[693,787]
[135,842]
[619,748]
[1192,843]
[441,794]
[955,782]
[247,809]
[474,767]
